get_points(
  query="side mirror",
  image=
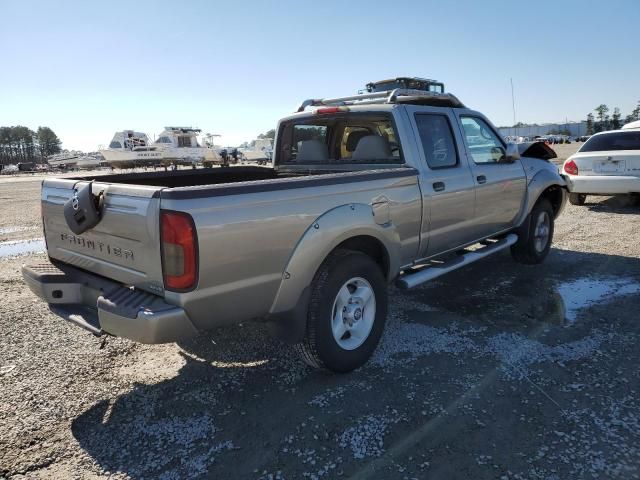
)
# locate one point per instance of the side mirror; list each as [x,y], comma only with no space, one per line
[513,153]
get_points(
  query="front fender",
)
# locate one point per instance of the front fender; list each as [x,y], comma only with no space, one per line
[539,182]
[321,238]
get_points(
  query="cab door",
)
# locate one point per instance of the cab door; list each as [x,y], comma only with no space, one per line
[446,182]
[500,184]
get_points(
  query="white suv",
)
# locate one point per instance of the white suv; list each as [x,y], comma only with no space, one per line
[607,164]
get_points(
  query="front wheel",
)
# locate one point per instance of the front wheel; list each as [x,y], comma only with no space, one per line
[533,248]
[577,198]
[347,312]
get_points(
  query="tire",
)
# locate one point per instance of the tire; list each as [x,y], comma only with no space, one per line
[577,198]
[533,248]
[333,287]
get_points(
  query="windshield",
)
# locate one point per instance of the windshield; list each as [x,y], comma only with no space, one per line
[613,141]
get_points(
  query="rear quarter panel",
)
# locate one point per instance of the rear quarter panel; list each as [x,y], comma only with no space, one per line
[246,239]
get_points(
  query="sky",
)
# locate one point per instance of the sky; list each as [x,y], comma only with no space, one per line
[88,69]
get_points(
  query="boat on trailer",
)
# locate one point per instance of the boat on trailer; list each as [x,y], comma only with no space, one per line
[75,160]
[129,148]
[174,146]
[180,146]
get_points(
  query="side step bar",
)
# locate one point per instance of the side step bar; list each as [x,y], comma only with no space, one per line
[411,280]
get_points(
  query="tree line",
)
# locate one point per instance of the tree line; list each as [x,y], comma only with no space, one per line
[21,144]
[602,121]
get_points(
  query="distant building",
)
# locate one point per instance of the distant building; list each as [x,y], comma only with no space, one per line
[576,129]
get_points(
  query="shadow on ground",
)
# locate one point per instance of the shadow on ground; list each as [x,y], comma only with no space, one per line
[445,396]
[625,204]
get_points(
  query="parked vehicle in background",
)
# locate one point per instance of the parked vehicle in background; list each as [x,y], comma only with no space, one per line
[631,125]
[397,185]
[9,169]
[27,166]
[607,164]
[260,152]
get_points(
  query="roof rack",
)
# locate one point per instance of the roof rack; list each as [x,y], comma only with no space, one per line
[397,95]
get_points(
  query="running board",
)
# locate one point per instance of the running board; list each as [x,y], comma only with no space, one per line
[411,280]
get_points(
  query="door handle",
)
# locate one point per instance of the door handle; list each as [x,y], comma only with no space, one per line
[438,186]
[481,179]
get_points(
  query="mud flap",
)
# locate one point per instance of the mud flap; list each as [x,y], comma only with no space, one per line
[291,326]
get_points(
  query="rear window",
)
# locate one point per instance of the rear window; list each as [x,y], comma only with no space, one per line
[612,141]
[342,138]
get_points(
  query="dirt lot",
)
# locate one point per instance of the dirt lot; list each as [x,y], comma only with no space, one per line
[495,371]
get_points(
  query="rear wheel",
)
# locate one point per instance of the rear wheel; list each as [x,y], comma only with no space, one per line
[346,314]
[577,198]
[533,249]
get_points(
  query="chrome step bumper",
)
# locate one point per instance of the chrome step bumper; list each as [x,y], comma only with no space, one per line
[100,305]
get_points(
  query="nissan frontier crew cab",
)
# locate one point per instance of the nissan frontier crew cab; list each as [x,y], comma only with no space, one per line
[400,184]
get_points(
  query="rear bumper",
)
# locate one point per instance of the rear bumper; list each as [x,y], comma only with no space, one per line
[603,184]
[102,306]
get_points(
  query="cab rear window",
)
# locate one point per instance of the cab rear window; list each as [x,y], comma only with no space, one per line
[612,141]
[340,139]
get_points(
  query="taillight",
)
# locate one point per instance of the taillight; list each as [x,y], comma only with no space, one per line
[571,168]
[179,250]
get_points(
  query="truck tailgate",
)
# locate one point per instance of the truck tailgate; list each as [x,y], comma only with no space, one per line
[124,246]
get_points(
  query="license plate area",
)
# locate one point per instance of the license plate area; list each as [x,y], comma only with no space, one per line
[609,166]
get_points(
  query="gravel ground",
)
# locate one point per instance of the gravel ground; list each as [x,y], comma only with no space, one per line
[496,371]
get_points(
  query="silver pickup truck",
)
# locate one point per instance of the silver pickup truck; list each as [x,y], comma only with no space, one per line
[389,186]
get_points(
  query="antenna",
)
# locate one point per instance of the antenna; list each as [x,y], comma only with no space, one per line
[513,105]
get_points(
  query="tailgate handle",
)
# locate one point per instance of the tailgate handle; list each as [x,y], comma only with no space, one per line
[84,209]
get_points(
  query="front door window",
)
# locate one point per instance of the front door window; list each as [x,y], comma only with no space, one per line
[484,145]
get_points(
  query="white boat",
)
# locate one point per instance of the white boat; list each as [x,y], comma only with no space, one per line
[180,145]
[74,160]
[129,148]
[175,145]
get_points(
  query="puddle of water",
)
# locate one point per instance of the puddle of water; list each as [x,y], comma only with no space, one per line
[584,292]
[21,247]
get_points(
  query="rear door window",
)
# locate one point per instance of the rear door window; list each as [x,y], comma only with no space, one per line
[437,140]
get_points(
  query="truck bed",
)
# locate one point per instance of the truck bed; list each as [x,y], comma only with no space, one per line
[240,214]
[189,178]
